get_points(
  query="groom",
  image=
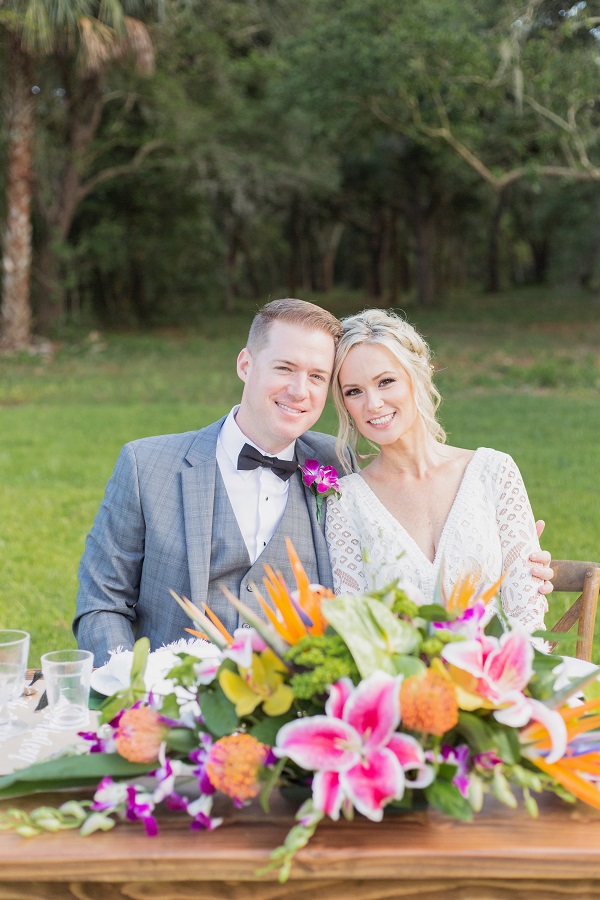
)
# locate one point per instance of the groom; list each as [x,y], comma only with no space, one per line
[187,512]
[192,512]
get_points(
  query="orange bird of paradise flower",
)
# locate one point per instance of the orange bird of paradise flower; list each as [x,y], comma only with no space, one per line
[582,756]
[293,619]
[466,593]
[290,618]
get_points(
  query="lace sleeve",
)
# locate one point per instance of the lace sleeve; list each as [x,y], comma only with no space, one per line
[345,551]
[518,538]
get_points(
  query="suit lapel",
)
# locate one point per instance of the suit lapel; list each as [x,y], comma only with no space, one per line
[304,452]
[198,491]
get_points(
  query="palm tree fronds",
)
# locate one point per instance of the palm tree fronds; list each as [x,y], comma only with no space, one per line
[102,44]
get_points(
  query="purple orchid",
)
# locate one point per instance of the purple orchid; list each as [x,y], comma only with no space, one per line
[200,811]
[97,743]
[139,807]
[130,801]
[458,756]
[322,481]
[324,478]
[468,624]
[200,757]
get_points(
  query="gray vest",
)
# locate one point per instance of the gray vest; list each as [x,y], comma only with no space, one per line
[229,560]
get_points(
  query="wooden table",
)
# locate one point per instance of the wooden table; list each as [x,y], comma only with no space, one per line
[502,854]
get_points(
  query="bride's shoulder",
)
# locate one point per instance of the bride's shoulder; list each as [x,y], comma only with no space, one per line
[351,488]
[350,482]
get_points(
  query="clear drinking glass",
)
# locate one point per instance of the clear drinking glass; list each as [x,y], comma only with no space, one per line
[67,676]
[14,650]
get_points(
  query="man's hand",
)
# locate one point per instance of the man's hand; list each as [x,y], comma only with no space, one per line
[541,564]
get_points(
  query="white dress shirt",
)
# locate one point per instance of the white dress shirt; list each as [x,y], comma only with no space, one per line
[258,496]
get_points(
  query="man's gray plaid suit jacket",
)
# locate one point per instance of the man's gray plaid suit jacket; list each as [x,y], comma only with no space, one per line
[162,517]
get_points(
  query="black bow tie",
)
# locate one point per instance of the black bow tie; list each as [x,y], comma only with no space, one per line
[251,458]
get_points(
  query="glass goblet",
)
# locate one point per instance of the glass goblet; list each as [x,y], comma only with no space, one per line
[14,649]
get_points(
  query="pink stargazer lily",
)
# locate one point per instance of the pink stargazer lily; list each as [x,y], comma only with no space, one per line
[354,749]
[501,669]
[502,666]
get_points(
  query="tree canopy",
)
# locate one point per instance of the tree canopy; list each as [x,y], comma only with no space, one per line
[164,157]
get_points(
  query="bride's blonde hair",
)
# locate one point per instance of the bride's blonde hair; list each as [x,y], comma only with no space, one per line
[378,326]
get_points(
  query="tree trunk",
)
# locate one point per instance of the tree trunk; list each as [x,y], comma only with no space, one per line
[295,241]
[377,254]
[493,266]
[49,295]
[253,278]
[230,268]
[423,227]
[331,244]
[84,118]
[16,251]
[396,265]
[540,250]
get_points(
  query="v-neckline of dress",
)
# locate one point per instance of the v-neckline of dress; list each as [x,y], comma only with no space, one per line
[452,512]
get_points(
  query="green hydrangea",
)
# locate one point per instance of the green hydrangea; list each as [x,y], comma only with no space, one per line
[403,607]
[432,646]
[322,660]
[397,601]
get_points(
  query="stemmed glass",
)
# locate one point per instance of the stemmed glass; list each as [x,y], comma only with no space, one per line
[14,649]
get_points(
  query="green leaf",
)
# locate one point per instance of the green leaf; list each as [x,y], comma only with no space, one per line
[592,691]
[169,707]
[507,744]
[184,672]
[408,665]
[446,797]
[495,627]
[560,697]
[70,772]
[96,700]
[220,717]
[113,705]
[372,633]
[476,731]
[433,612]
[141,649]
[182,740]
[266,730]
[273,777]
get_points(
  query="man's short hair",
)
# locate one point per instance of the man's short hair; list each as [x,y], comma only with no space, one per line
[294,312]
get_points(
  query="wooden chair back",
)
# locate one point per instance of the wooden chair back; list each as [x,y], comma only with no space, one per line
[580,577]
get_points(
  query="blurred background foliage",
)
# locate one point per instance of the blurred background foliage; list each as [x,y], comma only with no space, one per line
[194,156]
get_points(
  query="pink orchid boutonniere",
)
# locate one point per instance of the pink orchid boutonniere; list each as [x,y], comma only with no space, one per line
[322,481]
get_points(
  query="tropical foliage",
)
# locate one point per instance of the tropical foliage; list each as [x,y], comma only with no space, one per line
[362,702]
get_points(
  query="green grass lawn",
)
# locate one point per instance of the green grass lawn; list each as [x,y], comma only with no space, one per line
[522,374]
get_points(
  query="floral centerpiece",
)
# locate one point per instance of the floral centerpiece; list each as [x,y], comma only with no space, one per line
[357,703]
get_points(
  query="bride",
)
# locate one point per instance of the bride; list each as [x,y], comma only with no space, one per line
[422,508]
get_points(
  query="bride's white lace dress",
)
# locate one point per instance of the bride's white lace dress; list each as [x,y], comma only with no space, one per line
[490,529]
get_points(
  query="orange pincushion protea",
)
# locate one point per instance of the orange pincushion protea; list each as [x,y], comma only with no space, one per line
[234,763]
[428,703]
[139,734]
